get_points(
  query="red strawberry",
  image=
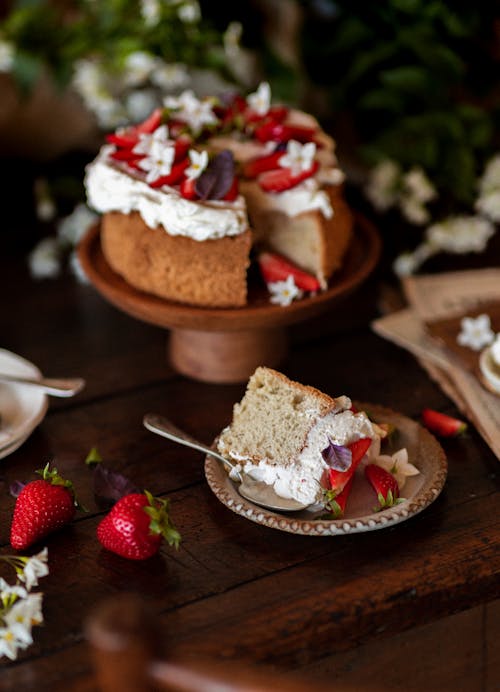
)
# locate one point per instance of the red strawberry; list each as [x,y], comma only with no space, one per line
[282,179]
[441,424]
[135,526]
[384,484]
[128,138]
[339,479]
[336,504]
[275,267]
[254,167]
[151,123]
[42,506]
[175,175]
[280,132]
[188,188]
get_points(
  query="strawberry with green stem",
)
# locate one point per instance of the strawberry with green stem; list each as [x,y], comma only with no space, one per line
[136,525]
[385,485]
[441,424]
[42,506]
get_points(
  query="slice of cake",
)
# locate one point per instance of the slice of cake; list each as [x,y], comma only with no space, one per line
[187,194]
[292,437]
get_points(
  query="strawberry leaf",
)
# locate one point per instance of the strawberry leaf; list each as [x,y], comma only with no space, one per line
[216,180]
[337,457]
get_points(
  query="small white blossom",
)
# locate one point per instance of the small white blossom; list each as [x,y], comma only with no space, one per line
[140,103]
[398,465]
[44,260]
[90,81]
[6,56]
[191,110]
[383,184]
[476,333]
[199,161]
[150,10]
[299,157]
[36,566]
[9,645]
[284,292]
[460,234]
[488,201]
[137,68]
[159,153]
[232,37]
[19,621]
[413,210]
[189,12]
[169,76]
[7,590]
[260,100]
[418,186]
[73,227]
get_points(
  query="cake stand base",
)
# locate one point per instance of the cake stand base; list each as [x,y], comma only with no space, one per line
[225,357]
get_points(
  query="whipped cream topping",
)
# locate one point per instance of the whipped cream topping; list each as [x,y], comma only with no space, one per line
[304,197]
[302,479]
[109,188]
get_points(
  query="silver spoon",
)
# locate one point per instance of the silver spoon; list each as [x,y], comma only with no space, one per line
[56,387]
[258,492]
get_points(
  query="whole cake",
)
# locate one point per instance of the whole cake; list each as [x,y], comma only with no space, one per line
[189,196]
[298,440]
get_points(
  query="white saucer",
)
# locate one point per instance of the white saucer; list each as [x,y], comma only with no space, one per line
[21,408]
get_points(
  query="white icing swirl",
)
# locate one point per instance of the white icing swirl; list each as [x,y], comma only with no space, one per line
[111,189]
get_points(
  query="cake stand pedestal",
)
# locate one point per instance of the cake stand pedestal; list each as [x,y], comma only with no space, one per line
[224,345]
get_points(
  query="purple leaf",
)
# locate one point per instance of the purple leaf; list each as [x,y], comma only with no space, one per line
[16,487]
[110,486]
[337,457]
[218,177]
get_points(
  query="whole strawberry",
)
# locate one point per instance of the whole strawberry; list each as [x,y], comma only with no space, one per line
[385,485]
[134,528]
[42,506]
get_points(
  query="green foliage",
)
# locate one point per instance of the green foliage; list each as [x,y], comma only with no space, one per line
[418,79]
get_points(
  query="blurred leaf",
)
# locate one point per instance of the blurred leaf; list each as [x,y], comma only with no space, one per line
[406,78]
[26,70]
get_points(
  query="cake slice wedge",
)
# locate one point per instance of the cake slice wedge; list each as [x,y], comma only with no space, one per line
[283,433]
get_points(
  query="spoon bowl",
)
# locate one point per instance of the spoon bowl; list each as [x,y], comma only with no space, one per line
[257,492]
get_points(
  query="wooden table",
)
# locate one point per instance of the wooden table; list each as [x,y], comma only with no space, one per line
[407,607]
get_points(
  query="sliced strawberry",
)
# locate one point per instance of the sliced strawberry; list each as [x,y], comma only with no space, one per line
[181,148]
[282,179]
[128,138]
[188,188]
[385,485]
[126,155]
[261,164]
[174,176]
[275,267]
[339,479]
[336,506]
[232,193]
[151,123]
[272,131]
[278,113]
[441,424]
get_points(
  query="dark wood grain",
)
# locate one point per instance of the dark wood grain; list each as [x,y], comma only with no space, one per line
[235,591]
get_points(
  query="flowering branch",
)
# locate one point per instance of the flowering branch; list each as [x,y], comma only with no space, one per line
[21,610]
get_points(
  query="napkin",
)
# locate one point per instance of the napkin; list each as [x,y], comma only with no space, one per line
[429,328]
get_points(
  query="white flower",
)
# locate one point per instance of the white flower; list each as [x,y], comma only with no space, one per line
[73,227]
[199,161]
[137,68]
[476,333]
[150,10]
[8,643]
[298,157]
[6,56]
[91,83]
[159,153]
[44,260]
[169,76]
[189,12]
[383,184]
[232,37]
[488,203]
[460,234]
[140,104]
[398,465]
[418,186]
[284,292]
[413,210]
[19,621]
[36,566]
[7,590]
[191,110]
[409,262]
[490,180]
[260,100]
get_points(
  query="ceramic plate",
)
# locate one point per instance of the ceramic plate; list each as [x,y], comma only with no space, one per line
[21,408]
[424,451]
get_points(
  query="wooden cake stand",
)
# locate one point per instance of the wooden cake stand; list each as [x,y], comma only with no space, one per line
[226,344]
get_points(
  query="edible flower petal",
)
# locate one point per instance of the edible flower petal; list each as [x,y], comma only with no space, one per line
[337,457]
[199,161]
[398,465]
[476,333]
[299,157]
[260,100]
[284,292]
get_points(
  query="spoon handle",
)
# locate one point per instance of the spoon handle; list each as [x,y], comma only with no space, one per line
[165,428]
[55,386]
